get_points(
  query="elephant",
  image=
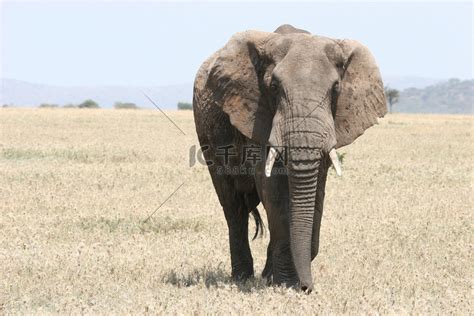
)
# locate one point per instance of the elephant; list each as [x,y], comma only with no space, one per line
[296,98]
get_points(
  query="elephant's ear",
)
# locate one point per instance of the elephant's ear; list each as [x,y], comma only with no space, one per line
[233,84]
[361,100]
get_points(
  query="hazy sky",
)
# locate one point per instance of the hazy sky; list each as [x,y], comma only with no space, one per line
[145,43]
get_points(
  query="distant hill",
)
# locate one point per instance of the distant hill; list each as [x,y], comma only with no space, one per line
[452,96]
[424,95]
[404,82]
[25,94]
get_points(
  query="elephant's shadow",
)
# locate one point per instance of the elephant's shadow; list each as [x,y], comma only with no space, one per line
[212,277]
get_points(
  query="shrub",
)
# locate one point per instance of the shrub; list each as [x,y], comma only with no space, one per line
[48,105]
[69,106]
[185,106]
[89,104]
[341,157]
[125,105]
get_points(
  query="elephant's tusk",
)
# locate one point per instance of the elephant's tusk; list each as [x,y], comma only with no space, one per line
[270,161]
[335,161]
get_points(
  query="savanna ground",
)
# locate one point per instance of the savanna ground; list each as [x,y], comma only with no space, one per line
[77,185]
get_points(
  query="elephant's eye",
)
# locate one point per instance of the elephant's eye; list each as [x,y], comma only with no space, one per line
[274,87]
[336,88]
[274,94]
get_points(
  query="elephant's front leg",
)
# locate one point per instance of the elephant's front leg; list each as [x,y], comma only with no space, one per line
[282,266]
[273,193]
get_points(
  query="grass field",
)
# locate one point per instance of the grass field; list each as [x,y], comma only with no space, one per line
[77,185]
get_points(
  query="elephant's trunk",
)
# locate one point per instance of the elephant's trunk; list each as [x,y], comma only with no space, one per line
[307,141]
[303,175]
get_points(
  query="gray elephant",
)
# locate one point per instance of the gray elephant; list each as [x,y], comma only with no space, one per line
[293,98]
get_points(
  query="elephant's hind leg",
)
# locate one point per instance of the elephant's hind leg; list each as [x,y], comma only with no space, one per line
[237,215]
[236,210]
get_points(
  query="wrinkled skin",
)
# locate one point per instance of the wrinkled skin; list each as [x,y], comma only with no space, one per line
[288,88]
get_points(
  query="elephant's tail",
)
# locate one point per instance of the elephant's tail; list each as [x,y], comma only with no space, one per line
[259,227]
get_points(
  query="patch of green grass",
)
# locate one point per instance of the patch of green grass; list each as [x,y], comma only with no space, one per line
[211,277]
[103,224]
[341,157]
[158,226]
[204,275]
[75,155]
[396,123]
[167,224]
[66,154]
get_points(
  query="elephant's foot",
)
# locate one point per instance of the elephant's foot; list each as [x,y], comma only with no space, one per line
[242,272]
[242,276]
[283,268]
[267,272]
[287,280]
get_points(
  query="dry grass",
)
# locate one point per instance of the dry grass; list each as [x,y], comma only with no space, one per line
[76,185]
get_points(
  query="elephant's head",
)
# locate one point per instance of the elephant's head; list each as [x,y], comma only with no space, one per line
[309,94]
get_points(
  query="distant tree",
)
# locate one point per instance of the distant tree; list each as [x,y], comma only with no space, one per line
[89,104]
[69,106]
[454,81]
[185,106]
[48,105]
[125,105]
[392,96]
